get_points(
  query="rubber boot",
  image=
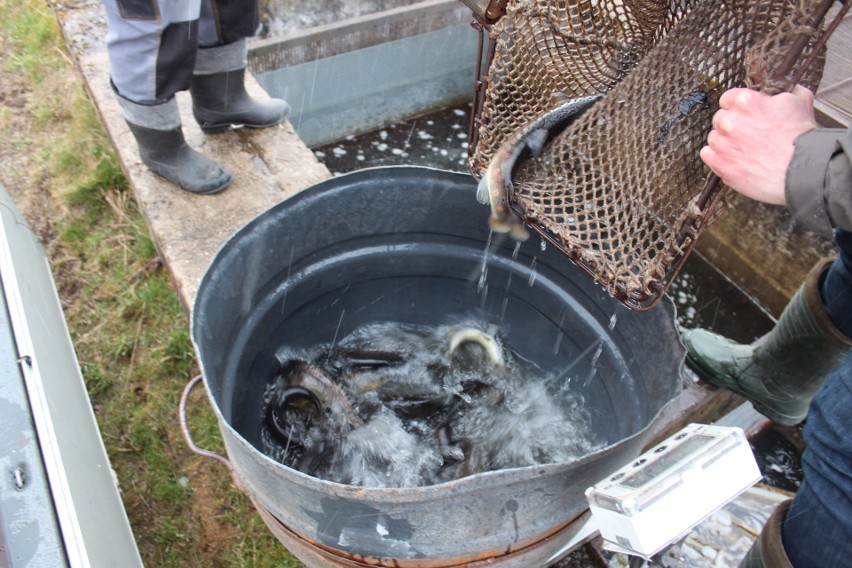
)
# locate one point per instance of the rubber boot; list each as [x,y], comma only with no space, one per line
[164,150]
[780,372]
[220,102]
[166,153]
[768,550]
[219,97]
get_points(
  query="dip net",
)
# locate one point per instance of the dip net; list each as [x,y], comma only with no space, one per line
[622,191]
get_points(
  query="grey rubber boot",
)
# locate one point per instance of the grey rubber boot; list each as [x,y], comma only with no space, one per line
[768,550]
[166,153]
[780,372]
[219,97]
[164,150]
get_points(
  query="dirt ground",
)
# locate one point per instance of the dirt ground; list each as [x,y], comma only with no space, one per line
[23,178]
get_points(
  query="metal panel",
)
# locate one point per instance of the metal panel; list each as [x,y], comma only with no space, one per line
[92,520]
[29,532]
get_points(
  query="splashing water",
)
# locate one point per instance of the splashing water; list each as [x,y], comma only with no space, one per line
[612,321]
[482,283]
[533,273]
[397,405]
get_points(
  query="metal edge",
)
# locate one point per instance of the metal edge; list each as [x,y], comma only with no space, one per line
[84,497]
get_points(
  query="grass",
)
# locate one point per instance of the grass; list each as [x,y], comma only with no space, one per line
[128,327]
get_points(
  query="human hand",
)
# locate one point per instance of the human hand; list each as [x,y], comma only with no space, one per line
[751,144]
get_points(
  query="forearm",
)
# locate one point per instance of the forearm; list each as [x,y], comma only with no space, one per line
[819,180]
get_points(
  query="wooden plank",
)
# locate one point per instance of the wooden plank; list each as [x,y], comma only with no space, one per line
[701,403]
[269,165]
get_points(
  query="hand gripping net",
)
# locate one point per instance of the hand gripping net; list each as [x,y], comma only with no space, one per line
[622,191]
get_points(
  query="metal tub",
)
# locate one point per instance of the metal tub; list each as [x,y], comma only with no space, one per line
[407,244]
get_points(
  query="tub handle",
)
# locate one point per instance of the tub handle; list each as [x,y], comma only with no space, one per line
[185,428]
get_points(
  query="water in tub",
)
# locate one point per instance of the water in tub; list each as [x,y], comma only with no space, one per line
[395,405]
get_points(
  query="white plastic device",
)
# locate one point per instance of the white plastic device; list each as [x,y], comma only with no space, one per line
[659,497]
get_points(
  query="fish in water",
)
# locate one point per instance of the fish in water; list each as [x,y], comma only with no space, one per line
[400,405]
[496,184]
[461,338]
[301,395]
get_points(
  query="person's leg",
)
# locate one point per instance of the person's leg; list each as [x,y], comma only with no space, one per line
[836,288]
[226,21]
[815,528]
[152,47]
[780,372]
[817,531]
[219,98]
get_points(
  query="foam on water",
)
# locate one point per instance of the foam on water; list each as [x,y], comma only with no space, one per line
[417,414]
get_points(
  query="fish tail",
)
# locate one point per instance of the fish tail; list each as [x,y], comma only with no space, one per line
[482,194]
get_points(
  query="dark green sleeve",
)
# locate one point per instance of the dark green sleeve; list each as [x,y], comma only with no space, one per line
[819,180]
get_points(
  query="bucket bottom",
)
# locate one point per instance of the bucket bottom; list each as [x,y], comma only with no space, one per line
[539,553]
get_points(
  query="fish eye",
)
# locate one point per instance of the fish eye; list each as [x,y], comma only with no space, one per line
[293,413]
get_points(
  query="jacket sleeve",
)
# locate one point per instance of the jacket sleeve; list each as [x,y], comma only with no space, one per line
[819,180]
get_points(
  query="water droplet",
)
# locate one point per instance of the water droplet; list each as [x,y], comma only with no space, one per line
[597,354]
[559,337]
[483,278]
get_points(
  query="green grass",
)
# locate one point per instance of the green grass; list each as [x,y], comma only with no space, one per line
[128,326]
[35,33]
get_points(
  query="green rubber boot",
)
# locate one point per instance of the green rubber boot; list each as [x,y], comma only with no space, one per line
[768,550]
[780,372]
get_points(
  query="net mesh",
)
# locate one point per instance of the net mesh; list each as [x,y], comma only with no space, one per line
[622,191]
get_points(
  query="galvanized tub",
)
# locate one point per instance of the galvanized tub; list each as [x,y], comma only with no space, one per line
[408,244]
